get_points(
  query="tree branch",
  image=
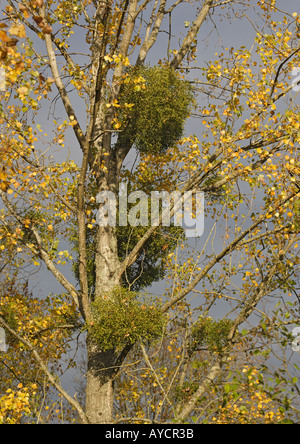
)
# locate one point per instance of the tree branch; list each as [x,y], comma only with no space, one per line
[219,257]
[216,369]
[149,42]
[44,368]
[41,251]
[62,90]
[82,244]
[192,184]
[279,70]
[261,290]
[191,35]
[148,362]
[214,372]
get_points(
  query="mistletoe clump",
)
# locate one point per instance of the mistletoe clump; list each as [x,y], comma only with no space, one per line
[121,319]
[211,334]
[156,104]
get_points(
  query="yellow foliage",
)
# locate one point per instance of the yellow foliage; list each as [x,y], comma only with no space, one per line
[14,405]
[18,30]
[253,406]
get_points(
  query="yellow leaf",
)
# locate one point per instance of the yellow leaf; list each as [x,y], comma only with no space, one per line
[18,30]
[117,125]
[50,80]
[3,175]
[116,104]
[22,90]
[129,105]
[4,187]
[107,58]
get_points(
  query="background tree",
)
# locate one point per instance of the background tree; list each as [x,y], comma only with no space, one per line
[242,157]
[26,395]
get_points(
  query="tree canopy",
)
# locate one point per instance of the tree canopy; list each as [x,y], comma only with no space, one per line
[99,95]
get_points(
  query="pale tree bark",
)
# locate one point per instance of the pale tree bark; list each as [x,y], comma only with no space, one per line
[192,34]
[103,365]
[151,39]
[100,386]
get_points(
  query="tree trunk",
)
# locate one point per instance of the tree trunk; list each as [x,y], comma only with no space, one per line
[100,385]
[103,366]
[106,262]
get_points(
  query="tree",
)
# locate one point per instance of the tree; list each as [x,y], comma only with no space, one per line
[244,158]
[47,325]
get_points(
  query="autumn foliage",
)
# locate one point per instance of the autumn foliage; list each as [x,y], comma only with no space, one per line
[101,94]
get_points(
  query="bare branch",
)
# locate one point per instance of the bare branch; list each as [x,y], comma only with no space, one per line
[225,2]
[149,42]
[249,307]
[62,90]
[148,362]
[213,374]
[191,35]
[280,68]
